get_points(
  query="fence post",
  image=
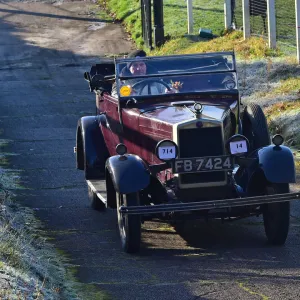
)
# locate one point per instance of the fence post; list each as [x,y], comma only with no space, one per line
[227,14]
[143,18]
[158,16]
[297,7]
[246,18]
[271,23]
[190,16]
[147,23]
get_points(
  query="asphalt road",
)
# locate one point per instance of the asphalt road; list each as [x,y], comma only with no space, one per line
[44,50]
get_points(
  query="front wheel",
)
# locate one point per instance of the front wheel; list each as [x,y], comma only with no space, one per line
[277,215]
[129,225]
[255,126]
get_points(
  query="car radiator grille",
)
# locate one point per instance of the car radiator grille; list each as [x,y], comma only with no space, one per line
[198,142]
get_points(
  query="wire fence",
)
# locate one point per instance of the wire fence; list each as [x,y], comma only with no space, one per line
[286,25]
[258,16]
[206,14]
[209,14]
[285,21]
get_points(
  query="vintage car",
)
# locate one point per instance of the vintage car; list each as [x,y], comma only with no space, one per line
[176,143]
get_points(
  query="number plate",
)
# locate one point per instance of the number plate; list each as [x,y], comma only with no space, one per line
[202,164]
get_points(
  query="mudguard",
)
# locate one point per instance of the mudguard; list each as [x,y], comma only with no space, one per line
[278,164]
[94,150]
[129,173]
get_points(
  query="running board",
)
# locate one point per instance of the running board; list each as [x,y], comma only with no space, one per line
[99,188]
[207,205]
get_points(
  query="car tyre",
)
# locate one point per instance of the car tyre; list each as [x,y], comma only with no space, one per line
[255,126]
[96,203]
[276,216]
[129,225]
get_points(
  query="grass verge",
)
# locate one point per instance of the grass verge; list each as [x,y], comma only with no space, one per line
[30,267]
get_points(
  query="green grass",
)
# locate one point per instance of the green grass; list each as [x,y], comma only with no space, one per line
[285,22]
[207,14]
[128,12]
[282,107]
[247,49]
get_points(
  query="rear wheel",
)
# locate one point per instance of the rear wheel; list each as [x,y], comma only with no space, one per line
[96,203]
[277,215]
[255,126]
[129,225]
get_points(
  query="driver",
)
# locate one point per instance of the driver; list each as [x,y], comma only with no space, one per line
[139,67]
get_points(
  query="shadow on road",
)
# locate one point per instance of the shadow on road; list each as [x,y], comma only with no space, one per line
[31,13]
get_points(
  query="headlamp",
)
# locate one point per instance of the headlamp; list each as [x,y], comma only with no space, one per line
[121,149]
[277,140]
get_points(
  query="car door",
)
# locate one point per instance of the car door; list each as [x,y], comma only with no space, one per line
[131,135]
[122,128]
[110,125]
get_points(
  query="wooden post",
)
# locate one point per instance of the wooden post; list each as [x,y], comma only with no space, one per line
[143,18]
[298,29]
[271,23]
[190,16]
[227,14]
[158,17]
[246,18]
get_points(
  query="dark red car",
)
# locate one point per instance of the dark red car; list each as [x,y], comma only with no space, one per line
[175,142]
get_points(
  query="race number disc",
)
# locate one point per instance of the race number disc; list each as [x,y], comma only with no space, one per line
[238,147]
[125,90]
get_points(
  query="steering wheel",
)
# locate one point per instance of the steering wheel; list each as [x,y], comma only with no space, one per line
[148,82]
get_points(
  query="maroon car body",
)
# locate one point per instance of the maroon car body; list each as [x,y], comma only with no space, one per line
[177,139]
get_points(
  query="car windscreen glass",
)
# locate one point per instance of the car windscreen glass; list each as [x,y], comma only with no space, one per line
[177,84]
[145,76]
[177,64]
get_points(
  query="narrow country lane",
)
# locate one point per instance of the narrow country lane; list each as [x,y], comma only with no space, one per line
[44,50]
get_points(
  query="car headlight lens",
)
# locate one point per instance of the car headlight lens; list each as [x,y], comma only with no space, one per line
[277,139]
[166,150]
[121,149]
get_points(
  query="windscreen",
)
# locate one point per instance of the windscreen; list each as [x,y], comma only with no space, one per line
[146,76]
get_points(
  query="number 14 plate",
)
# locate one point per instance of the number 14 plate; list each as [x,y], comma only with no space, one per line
[202,164]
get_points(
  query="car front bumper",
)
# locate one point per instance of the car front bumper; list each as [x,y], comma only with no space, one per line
[207,205]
